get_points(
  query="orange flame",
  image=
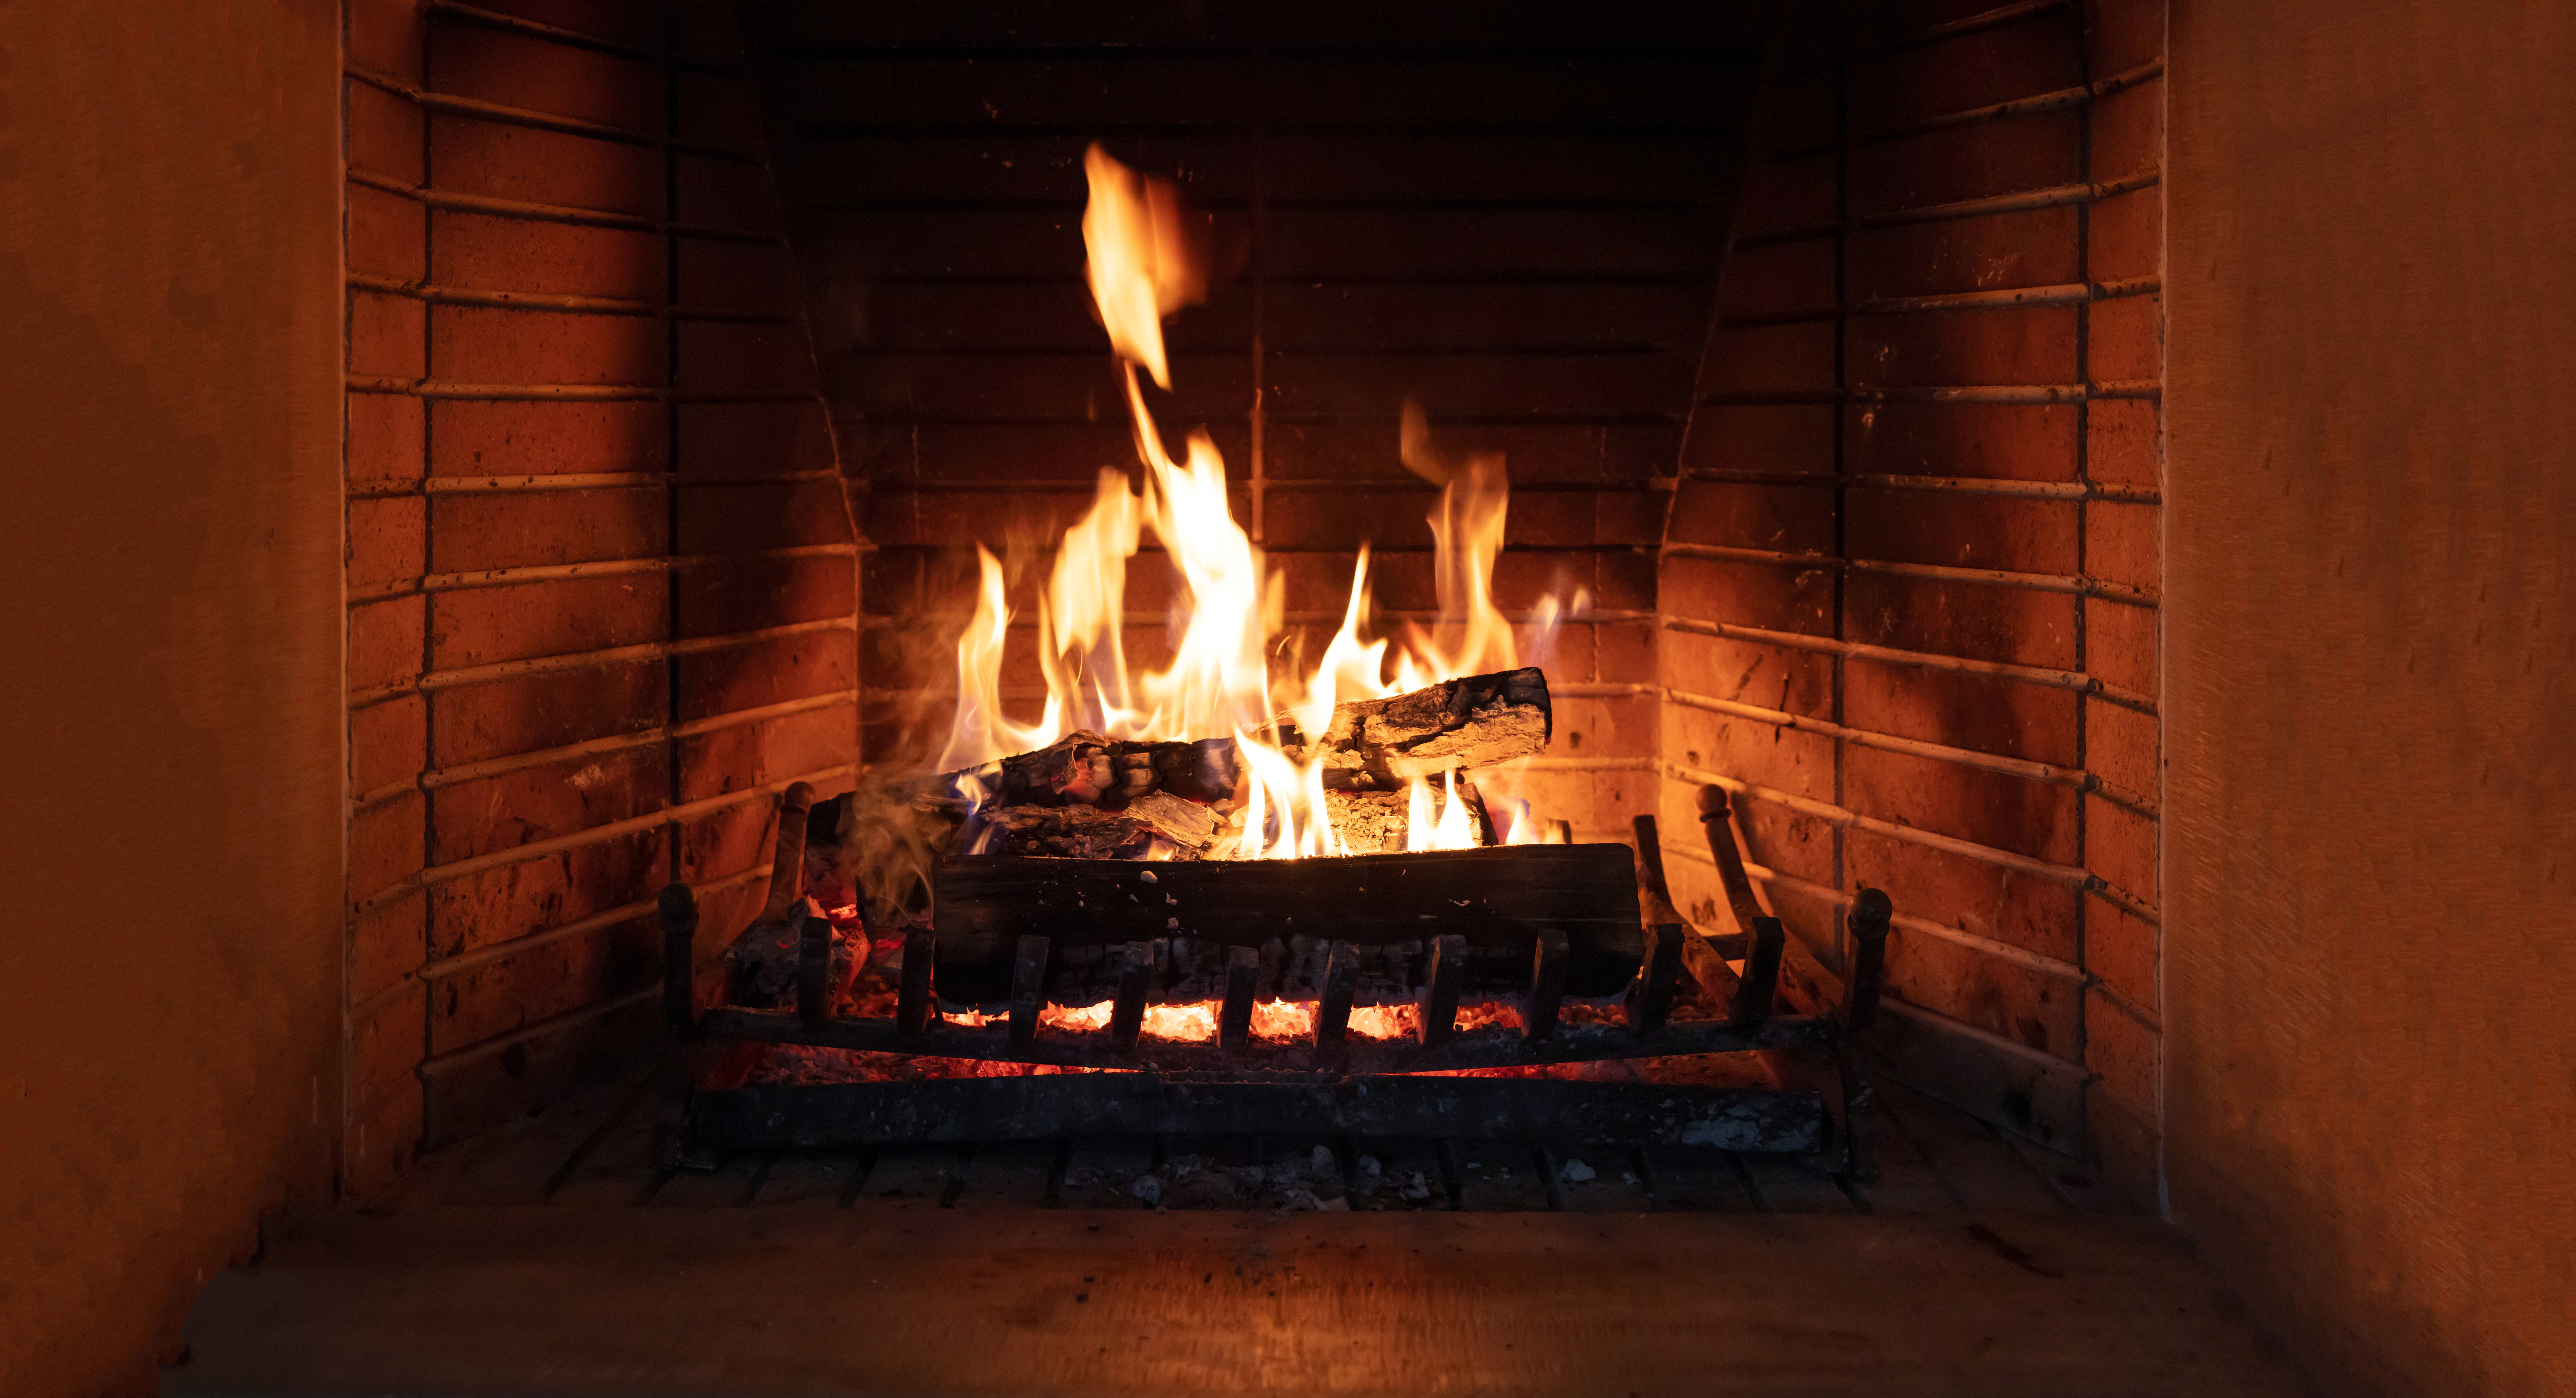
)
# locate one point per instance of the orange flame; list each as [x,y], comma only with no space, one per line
[1226,615]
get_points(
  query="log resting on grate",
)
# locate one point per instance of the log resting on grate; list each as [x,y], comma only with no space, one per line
[1389,905]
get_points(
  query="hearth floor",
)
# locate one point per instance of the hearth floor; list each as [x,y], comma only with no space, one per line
[551,1258]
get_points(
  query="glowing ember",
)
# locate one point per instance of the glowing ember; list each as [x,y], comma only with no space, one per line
[1226,620]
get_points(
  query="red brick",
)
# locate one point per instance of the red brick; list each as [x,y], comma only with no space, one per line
[1795,276]
[751,594]
[387,1045]
[2127,339]
[471,532]
[1761,595]
[481,344]
[2125,951]
[544,167]
[385,133]
[2120,747]
[1967,162]
[382,1142]
[727,841]
[2123,1054]
[2033,345]
[1792,438]
[385,844]
[623,22]
[503,718]
[502,997]
[1966,619]
[1987,992]
[384,335]
[511,254]
[2120,847]
[1770,359]
[387,540]
[2120,645]
[385,36]
[718,439]
[387,944]
[2121,34]
[765,672]
[1795,519]
[1783,194]
[2129,130]
[1801,108]
[720,111]
[486,625]
[730,194]
[513,900]
[386,441]
[739,277]
[2027,817]
[384,642]
[546,439]
[388,742]
[2127,1151]
[1801,764]
[773,749]
[1775,677]
[2122,442]
[1991,252]
[385,234]
[2126,233]
[1622,653]
[1972,894]
[1979,440]
[716,354]
[2120,544]
[1977,712]
[1979,69]
[735,518]
[1961,531]
[519,70]
[494,813]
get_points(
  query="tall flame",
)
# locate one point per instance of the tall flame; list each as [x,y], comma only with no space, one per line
[1226,611]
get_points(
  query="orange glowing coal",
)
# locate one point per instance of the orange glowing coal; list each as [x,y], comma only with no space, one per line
[1226,622]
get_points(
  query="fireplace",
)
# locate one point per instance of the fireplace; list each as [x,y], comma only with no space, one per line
[1783,389]
[690,362]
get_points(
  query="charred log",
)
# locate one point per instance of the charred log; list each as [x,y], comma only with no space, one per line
[1457,724]
[1497,898]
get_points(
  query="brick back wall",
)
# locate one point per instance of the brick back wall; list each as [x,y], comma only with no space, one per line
[1911,577]
[1511,211]
[601,576]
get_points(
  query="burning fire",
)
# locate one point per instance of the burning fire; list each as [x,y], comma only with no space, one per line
[1226,619]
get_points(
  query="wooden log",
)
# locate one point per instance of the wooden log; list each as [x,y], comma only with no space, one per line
[1242,980]
[1440,993]
[1186,829]
[1717,819]
[1752,1003]
[1127,1008]
[1148,1104]
[1028,989]
[1650,998]
[787,855]
[1341,982]
[1540,1006]
[1476,721]
[1706,962]
[912,1008]
[677,912]
[1497,898]
[1871,912]
[814,969]
[1084,769]
[1467,1048]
